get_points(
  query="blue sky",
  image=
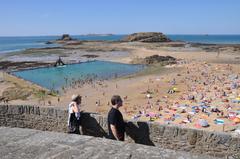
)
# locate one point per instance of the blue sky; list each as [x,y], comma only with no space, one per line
[55,17]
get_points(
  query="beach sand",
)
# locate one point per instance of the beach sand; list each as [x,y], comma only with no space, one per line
[204,75]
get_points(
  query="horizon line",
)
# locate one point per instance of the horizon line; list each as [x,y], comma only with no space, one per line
[111,34]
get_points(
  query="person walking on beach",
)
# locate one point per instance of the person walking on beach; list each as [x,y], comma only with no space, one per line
[74,114]
[116,125]
[218,53]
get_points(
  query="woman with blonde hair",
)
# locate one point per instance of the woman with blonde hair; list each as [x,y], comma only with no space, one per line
[74,114]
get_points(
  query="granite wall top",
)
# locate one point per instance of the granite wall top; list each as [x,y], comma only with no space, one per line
[29,143]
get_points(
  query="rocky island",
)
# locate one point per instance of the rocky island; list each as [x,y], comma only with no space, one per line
[65,38]
[150,37]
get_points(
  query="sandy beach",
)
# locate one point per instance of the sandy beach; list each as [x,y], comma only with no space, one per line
[202,84]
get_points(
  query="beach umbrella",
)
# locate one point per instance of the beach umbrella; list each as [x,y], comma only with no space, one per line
[203,123]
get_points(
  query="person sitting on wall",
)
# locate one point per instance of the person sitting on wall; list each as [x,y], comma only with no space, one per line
[116,125]
[74,114]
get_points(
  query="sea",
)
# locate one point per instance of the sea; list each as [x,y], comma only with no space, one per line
[208,39]
[14,44]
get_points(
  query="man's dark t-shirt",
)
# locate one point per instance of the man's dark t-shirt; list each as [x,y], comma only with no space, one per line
[115,118]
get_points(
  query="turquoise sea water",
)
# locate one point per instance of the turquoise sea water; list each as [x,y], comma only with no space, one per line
[55,77]
[10,44]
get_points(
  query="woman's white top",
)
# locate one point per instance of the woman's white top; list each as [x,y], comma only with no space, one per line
[70,111]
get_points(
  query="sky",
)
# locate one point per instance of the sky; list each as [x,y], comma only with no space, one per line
[75,17]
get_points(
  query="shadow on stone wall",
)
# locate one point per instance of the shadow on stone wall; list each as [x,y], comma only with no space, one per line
[91,127]
[139,132]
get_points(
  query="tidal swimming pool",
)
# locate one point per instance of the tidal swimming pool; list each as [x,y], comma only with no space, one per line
[57,77]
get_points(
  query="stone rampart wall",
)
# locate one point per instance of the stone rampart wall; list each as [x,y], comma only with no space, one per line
[165,136]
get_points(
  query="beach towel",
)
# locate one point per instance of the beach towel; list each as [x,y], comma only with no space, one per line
[219,121]
[236,120]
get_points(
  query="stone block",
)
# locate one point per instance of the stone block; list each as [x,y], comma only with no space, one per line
[192,137]
[3,109]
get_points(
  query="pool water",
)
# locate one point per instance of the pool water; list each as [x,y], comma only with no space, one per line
[57,77]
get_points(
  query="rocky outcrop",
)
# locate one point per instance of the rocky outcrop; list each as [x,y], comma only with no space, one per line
[159,59]
[66,37]
[13,66]
[147,37]
[49,42]
[90,56]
